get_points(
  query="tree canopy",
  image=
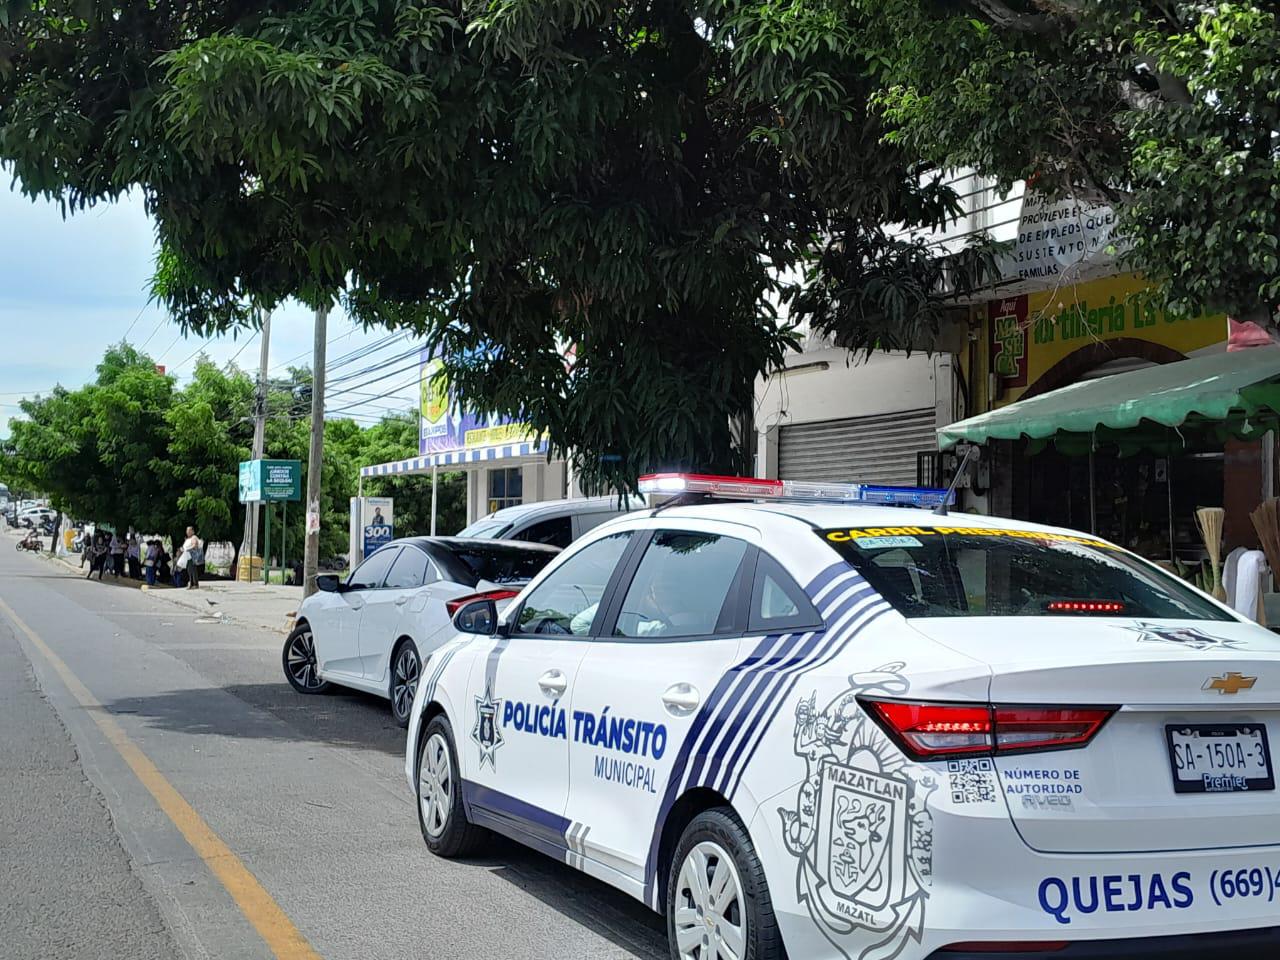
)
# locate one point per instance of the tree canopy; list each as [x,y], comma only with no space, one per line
[1165,110]
[131,450]
[597,210]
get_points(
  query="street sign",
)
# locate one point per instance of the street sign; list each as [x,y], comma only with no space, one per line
[270,480]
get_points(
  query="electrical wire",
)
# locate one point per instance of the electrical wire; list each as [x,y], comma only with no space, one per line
[244,346]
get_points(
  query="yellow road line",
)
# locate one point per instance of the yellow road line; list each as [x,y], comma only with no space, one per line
[273,925]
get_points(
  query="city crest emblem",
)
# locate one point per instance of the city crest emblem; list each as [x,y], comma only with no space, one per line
[861,820]
[860,828]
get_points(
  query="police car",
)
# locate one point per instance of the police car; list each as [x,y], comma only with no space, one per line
[846,729]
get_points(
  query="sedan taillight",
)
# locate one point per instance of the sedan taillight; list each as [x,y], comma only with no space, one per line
[928,731]
[454,605]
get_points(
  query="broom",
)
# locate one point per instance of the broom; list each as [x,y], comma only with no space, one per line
[1209,523]
[1266,521]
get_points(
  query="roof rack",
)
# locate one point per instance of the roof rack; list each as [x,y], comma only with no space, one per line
[755,488]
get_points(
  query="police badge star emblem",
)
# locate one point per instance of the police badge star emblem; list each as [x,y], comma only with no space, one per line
[1188,637]
[485,732]
[860,830]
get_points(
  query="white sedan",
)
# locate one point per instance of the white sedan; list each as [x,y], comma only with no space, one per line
[372,631]
[849,730]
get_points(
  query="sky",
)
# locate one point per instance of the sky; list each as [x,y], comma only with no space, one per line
[71,287]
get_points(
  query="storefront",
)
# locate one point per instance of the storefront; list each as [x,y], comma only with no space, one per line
[833,415]
[504,461]
[1136,456]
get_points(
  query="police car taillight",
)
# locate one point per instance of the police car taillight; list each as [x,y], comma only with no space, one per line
[928,731]
[754,488]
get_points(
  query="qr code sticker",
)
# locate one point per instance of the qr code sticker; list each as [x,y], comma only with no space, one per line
[973,780]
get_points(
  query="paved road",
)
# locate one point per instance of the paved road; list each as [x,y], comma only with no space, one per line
[164,793]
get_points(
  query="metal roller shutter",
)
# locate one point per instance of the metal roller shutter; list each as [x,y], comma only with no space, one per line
[879,449]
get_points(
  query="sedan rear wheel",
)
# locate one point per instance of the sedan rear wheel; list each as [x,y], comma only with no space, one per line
[300,667]
[441,813]
[406,668]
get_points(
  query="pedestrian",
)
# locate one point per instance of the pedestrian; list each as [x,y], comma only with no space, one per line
[117,556]
[98,556]
[133,557]
[151,561]
[193,554]
[164,573]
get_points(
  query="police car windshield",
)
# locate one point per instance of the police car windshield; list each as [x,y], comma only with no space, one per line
[486,527]
[984,572]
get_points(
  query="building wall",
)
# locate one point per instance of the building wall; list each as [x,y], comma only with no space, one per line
[827,383]
[540,480]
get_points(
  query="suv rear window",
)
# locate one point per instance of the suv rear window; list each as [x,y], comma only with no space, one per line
[986,572]
[502,562]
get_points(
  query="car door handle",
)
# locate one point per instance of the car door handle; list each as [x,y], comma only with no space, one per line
[357,605]
[681,699]
[553,683]
[401,601]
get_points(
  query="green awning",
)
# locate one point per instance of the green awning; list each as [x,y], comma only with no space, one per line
[1176,405]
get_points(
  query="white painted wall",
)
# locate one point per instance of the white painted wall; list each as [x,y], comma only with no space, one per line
[827,383]
[542,481]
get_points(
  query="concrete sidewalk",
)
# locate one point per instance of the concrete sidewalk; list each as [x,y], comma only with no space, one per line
[264,606]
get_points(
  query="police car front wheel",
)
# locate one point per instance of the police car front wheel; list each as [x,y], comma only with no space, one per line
[718,905]
[441,815]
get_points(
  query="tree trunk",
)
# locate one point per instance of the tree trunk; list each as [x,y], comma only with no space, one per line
[57,529]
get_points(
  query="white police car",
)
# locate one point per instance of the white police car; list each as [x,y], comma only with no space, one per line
[870,733]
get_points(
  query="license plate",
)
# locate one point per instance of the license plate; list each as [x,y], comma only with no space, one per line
[1220,758]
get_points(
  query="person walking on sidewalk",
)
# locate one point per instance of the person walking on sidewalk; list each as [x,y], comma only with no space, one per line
[117,555]
[193,553]
[133,557]
[151,561]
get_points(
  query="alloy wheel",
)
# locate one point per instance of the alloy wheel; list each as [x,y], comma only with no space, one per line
[710,909]
[435,785]
[404,684]
[302,661]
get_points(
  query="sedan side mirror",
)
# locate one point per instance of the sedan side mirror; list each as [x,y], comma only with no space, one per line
[479,617]
[328,583]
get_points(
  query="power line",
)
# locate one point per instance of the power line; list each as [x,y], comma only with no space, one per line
[243,346]
[135,321]
[143,344]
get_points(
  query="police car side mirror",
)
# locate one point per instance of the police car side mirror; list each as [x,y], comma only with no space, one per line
[479,617]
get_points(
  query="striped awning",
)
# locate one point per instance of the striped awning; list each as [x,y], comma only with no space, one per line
[450,458]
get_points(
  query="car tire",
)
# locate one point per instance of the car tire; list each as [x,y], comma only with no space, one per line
[406,670]
[299,660]
[441,814]
[716,846]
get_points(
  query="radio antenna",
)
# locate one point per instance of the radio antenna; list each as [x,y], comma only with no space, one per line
[969,456]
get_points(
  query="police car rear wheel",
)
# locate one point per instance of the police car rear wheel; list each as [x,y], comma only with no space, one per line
[441,815]
[718,905]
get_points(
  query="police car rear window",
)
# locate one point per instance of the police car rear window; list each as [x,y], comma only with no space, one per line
[988,572]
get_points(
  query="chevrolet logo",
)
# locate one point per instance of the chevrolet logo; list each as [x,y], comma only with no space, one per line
[1231,683]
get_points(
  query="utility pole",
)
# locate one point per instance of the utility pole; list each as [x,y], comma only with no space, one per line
[250,545]
[315,457]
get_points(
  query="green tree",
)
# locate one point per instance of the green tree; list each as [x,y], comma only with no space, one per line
[639,186]
[1166,110]
[95,451]
[210,431]
[396,438]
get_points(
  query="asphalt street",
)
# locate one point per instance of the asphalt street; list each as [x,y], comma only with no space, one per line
[164,793]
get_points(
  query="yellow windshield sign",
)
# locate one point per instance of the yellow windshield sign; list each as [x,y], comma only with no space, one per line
[876,537]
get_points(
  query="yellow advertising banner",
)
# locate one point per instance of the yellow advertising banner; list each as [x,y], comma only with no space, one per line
[1045,340]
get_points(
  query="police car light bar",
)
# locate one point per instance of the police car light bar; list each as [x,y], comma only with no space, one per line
[753,488]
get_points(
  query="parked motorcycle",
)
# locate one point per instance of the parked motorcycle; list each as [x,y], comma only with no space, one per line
[30,542]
